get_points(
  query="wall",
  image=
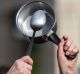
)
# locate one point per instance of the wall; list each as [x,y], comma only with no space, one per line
[68,21]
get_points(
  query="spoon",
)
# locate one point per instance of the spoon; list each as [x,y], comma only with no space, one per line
[37,22]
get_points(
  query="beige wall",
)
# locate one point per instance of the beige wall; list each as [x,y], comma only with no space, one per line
[68,20]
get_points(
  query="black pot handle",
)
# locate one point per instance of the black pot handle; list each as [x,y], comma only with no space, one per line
[55,39]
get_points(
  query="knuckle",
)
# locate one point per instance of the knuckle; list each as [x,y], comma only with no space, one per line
[32,62]
[76,50]
[17,61]
[31,68]
[69,42]
[73,43]
[21,71]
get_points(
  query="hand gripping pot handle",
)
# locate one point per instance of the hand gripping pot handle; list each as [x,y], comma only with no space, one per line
[55,39]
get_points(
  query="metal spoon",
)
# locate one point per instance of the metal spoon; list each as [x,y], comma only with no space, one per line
[37,22]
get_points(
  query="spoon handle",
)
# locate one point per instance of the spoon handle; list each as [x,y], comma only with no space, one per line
[29,49]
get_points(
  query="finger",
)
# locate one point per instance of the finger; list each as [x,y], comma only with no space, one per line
[21,65]
[67,44]
[65,37]
[73,52]
[29,67]
[27,59]
[76,51]
[71,55]
[71,48]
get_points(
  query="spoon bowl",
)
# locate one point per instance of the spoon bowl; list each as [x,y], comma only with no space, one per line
[38,20]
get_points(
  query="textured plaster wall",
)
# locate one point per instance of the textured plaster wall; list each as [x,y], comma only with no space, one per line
[68,21]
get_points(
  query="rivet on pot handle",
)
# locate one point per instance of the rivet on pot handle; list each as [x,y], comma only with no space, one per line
[55,39]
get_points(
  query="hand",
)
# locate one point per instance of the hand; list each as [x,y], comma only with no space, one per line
[66,65]
[22,66]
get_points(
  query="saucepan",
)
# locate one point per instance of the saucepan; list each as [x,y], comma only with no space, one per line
[46,27]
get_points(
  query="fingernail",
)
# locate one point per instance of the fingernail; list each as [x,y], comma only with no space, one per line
[66,48]
[65,36]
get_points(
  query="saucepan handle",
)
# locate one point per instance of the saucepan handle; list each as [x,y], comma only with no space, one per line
[55,39]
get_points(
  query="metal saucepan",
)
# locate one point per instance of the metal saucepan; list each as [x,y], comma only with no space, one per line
[48,32]
[23,20]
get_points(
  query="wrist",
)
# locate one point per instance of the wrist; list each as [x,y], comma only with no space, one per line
[68,71]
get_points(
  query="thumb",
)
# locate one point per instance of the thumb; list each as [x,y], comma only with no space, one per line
[27,59]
